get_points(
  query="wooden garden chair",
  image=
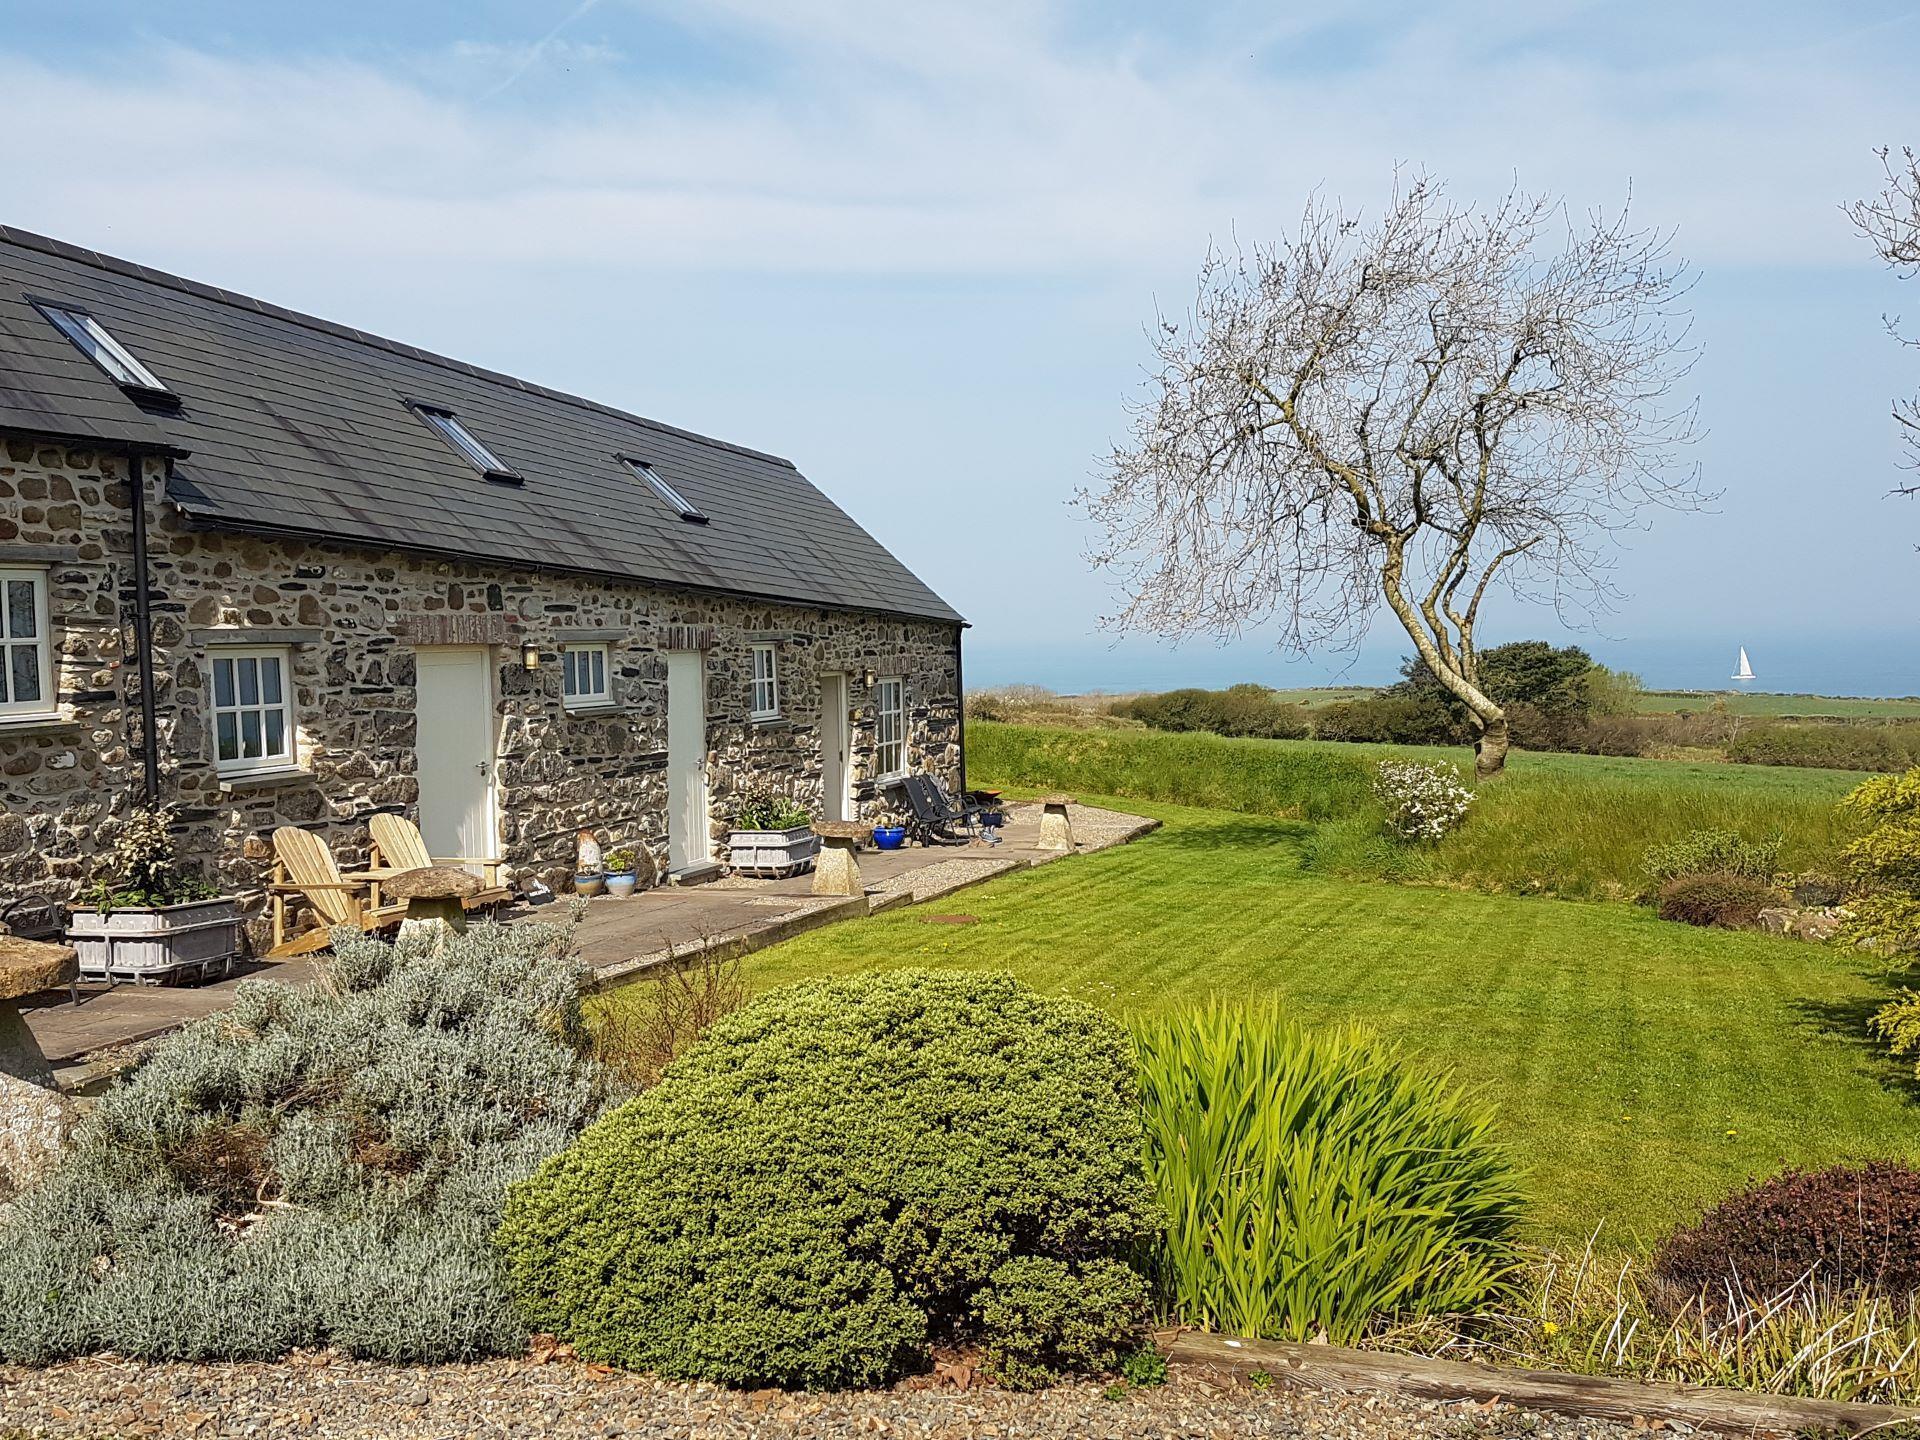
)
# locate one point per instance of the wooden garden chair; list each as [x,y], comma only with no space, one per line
[305,867]
[398,845]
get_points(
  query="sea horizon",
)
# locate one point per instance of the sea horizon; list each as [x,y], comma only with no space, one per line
[1877,666]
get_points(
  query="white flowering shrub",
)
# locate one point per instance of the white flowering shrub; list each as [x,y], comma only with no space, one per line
[316,1166]
[1423,802]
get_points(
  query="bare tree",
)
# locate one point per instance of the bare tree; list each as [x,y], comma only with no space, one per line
[1409,411]
[1891,223]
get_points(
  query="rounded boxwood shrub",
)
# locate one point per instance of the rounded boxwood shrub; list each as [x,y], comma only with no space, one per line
[842,1174]
[1732,902]
[1847,1228]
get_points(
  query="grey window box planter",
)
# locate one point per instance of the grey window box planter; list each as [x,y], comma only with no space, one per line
[773,854]
[198,939]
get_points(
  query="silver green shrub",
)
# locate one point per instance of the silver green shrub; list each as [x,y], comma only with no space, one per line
[315,1166]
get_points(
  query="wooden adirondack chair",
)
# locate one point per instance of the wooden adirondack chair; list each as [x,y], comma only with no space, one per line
[398,845]
[305,867]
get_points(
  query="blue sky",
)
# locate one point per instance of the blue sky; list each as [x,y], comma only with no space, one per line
[914,246]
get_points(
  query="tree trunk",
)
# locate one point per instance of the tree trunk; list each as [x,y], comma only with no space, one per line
[1490,748]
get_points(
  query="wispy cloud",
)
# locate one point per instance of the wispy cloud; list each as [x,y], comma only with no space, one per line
[943,138]
[549,47]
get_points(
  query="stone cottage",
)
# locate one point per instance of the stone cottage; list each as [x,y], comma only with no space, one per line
[273,570]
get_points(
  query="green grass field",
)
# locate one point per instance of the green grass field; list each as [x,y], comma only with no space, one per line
[1757,704]
[1639,1069]
[1569,825]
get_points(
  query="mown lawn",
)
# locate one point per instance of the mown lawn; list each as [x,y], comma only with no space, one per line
[1639,1069]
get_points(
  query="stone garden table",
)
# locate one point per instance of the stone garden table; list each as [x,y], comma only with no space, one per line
[838,872]
[436,897]
[1056,830]
[34,1115]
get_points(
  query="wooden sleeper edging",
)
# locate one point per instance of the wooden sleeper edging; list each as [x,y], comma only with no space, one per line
[1734,1412]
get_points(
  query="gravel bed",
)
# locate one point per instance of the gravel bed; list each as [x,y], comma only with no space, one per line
[944,875]
[325,1396]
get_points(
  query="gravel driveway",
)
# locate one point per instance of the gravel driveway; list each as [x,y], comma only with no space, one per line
[325,1396]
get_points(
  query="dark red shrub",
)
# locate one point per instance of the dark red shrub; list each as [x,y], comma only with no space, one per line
[1848,1228]
[1733,902]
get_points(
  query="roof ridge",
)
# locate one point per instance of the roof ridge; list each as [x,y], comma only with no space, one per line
[47,244]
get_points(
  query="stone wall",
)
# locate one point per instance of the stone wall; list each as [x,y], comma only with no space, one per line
[352,618]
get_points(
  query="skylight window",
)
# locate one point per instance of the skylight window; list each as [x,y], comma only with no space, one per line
[447,425]
[100,347]
[676,502]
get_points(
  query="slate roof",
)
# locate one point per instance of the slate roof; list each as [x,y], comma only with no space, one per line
[288,423]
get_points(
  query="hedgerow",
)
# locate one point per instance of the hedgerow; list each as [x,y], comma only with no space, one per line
[844,1173]
[315,1166]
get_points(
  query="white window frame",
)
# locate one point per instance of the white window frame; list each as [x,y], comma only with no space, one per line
[671,497]
[41,639]
[764,698]
[97,343]
[896,713]
[448,425]
[576,660]
[287,757]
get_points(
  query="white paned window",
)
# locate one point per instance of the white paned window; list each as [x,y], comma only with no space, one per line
[583,676]
[766,683]
[26,644]
[101,348]
[252,710]
[890,727]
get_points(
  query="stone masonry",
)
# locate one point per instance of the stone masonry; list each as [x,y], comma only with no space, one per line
[351,618]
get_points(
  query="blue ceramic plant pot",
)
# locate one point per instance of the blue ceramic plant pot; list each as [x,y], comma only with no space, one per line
[889,837]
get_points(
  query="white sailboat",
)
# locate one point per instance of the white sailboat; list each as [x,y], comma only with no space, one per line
[1745,672]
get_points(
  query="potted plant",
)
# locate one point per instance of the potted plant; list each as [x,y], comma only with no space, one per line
[772,836]
[623,873]
[889,833]
[589,873]
[149,920]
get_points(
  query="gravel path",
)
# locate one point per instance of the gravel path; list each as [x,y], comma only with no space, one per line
[326,1396]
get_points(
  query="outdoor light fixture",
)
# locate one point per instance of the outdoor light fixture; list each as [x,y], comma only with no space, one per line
[872,677]
[530,655]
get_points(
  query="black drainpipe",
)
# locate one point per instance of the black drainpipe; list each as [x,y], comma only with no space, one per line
[960,686]
[143,628]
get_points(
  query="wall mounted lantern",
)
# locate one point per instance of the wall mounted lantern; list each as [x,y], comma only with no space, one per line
[530,655]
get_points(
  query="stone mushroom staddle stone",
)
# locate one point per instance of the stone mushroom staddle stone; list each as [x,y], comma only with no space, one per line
[34,1116]
[837,872]
[434,897]
[1056,830]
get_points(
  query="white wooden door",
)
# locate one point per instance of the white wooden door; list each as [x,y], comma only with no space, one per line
[688,841]
[835,769]
[454,746]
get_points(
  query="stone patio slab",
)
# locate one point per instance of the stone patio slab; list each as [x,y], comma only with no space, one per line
[618,938]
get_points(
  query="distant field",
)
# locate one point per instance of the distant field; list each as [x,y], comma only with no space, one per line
[1669,702]
[1326,694]
[1750,702]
